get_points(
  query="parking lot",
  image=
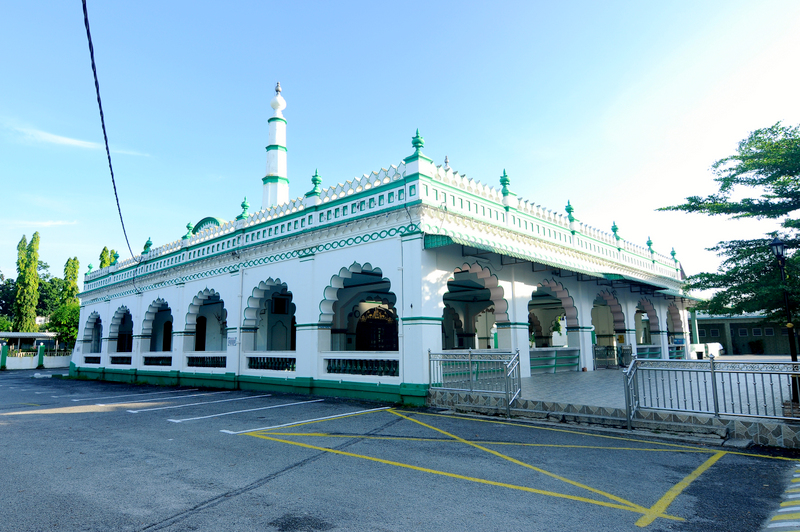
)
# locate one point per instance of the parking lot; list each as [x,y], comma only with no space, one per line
[87,455]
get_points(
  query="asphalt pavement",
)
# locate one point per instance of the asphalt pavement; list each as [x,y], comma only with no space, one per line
[98,456]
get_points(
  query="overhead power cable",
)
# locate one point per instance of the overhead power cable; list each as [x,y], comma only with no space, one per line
[105,135]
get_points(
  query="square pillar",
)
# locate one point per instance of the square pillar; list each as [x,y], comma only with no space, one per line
[312,339]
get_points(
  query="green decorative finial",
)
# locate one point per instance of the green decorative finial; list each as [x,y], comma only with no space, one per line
[245,206]
[650,245]
[147,245]
[90,268]
[505,181]
[570,209]
[673,254]
[614,229]
[116,258]
[417,141]
[189,228]
[316,180]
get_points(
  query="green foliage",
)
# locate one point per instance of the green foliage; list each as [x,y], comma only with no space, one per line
[748,280]
[71,280]
[51,295]
[106,257]
[27,286]
[8,288]
[64,321]
[5,324]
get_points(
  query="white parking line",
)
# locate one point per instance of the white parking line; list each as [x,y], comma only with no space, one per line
[195,404]
[162,398]
[128,395]
[307,421]
[243,411]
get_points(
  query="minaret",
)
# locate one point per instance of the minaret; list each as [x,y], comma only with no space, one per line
[276,182]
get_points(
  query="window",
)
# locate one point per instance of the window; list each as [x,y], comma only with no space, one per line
[412,190]
[391,197]
[336,213]
[380,200]
[702,333]
[371,203]
[714,333]
[742,332]
[769,331]
[344,210]
[401,195]
[756,331]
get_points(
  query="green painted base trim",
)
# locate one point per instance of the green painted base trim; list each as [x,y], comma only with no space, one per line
[276,147]
[425,319]
[159,378]
[127,376]
[226,381]
[512,324]
[276,119]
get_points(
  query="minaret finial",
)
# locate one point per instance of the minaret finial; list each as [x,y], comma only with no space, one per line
[316,180]
[446,163]
[278,88]
[505,181]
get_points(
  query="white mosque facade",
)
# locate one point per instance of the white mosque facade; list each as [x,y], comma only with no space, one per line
[344,290]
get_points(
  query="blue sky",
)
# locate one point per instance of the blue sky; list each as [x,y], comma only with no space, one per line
[618,107]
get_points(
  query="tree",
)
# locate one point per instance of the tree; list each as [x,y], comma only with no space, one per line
[71,269]
[5,324]
[8,289]
[106,257]
[64,321]
[27,286]
[767,163]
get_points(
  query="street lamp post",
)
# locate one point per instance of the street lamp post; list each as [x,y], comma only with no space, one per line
[779,250]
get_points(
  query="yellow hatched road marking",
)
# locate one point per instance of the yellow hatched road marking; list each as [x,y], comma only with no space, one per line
[663,503]
[523,464]
[790,503]
[265,436]
[786,517]
[675,447]
[482,442]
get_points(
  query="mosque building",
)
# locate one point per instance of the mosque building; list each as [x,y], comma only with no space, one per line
[344,291]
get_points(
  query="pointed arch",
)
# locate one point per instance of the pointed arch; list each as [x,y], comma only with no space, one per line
[120,332]
[157,327]
[206,322]
[674,319]
[268,322]
[567,301]
[491,283]
[93,333]
[648,308]
[616,309]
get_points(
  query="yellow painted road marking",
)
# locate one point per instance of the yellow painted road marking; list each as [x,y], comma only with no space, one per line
[523,464]
[265,436]
[790,503]
[483,442]
[664,502]
[675,447]
[786,517]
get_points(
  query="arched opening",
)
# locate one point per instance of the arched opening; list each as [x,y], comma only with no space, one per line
[471,309]
[551,311]
[93,334]
[157,326]
[546,319]
[376,330]
[269,319]
[206,323]
[120,334]
[647,330]
[676,336]
[356,292]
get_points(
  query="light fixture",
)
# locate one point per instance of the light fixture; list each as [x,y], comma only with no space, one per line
[778,247]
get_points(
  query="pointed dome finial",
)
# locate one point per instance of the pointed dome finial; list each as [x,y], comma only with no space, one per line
[245,207]
[570,209]
[278,103]
[650,245]
[505,181]
[189,229]
[316,180]
[147,245]
[417,141]
[614,230]
[446,163]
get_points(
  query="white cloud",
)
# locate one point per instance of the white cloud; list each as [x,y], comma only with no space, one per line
[43,136]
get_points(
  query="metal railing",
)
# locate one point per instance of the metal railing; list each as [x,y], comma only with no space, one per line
[748,389]
[484,371]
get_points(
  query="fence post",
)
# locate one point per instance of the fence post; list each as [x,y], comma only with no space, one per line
[3,356]
[41,357]
[713,385]
[627,399]
[469,361]
[430,369]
